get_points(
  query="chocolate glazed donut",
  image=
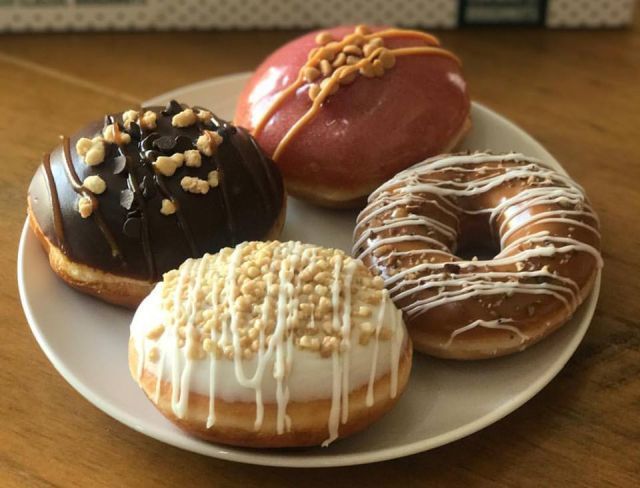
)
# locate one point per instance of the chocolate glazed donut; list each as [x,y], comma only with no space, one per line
[121,202]
[545,231]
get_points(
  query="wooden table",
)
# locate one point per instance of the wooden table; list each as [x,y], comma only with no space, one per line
[577,92]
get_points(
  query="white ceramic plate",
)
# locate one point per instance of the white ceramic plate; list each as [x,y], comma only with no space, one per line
[86,340]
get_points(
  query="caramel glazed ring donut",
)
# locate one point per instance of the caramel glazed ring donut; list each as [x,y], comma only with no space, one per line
[470,309]
[125,200]
[271,345]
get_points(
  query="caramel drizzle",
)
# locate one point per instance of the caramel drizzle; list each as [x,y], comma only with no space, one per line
[343,72]
[81,190]
[55,202]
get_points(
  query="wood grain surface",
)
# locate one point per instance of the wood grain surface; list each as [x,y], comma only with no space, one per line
[577,92]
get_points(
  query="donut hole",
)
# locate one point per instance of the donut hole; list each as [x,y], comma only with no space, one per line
[475,240]
[478,250]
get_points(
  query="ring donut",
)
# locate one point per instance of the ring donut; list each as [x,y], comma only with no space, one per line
[539,222]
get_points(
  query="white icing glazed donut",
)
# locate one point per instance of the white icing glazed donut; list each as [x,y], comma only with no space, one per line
[539,222]
[271,344]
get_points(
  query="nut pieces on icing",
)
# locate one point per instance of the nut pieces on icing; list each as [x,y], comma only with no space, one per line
[192,158]
[356,53]
[94,184]
[208,142]
[194,185]
[112,133]
[91,150]
[213,178]
[186,118]
[167,165]
[168,207]
[129,116]
[148,120]
[257,270]
[85,207]
[93,153]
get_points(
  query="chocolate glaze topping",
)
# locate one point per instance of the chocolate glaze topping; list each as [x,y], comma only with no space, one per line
[126,234]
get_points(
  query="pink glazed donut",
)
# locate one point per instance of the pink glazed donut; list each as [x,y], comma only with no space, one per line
[341,111]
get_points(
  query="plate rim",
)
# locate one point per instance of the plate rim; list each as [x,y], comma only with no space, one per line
[311,460]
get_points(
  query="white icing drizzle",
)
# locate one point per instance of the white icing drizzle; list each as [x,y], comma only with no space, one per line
[179,396]
[178,344]
[447,183]
[376,346]
[338,380]
[279,370]
[211,419]
[345,344]
[488,324]
[396,347]
[156,394]
[141,354]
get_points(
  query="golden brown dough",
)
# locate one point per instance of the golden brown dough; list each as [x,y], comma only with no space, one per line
[538,221]
[271,345]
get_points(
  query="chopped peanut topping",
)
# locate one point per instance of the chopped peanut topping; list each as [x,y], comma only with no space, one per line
[310,74]
[194,185]
[155,333]
[85,207]
[366,70]
[377,282]
[148,120]
[204,115]
[168,207]
[91,150]
[208,142]
[325,67]
[154,354]
[129,116]
[352,49]
[192,158]
[387,58]
[112,133]
[323,38]
[378,68]
[345,77]
[94,184]
[376,42]
[314,91]
[340,60]
[83,145]
[213,178]
[262,272]
[326,82]
[359,55]
[185,118]
[167,165]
